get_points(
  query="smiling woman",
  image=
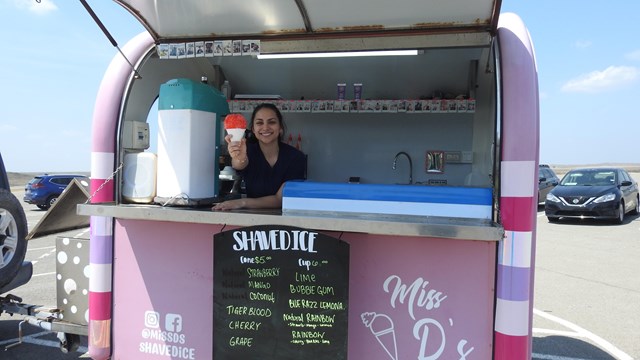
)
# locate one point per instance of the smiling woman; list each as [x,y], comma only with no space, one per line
[264,161]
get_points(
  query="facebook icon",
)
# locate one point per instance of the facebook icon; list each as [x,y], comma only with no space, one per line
[173,323]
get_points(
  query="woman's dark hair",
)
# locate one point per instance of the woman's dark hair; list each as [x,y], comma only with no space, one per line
[275,109]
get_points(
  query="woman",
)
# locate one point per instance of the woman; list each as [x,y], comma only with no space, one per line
[265,162]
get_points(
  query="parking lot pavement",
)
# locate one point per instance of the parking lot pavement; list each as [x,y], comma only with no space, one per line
[587,292]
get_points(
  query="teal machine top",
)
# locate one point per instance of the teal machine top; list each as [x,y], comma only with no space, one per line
[178,94]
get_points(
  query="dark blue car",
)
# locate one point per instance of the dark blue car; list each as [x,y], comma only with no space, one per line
[594,193]
[44,190]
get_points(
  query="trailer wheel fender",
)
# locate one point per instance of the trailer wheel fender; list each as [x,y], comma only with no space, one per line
[13,232]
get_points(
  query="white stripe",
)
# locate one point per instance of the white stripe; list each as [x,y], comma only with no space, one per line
[43,274]
[41,248]
[602,343]
[515,250]
[81,234]
[518,178]
[512,317]
[553,357]
[101,165]
[572,334]
[387,207]
[101,225]
[100,278]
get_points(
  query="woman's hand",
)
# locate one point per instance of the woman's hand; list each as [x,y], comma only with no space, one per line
[229,205]
[238,152]
[265,202]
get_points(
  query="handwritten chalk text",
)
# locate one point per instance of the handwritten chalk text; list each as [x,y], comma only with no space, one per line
[295,240]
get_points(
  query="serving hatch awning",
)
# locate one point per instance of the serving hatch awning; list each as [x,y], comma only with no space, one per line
[273,20]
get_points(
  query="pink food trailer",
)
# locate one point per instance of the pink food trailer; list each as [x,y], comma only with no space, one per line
[413,234]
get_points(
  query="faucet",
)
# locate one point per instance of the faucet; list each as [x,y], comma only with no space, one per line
[395,160]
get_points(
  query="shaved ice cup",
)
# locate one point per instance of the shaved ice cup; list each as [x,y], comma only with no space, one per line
[236,134]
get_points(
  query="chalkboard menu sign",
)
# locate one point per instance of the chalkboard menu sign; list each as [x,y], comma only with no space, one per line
[280,292]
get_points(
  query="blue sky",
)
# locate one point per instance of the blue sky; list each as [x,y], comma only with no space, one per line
[54,57]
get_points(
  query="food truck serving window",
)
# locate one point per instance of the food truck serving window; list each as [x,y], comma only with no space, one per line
[421,107]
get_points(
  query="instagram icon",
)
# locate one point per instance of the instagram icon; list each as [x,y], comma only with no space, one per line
[151,319]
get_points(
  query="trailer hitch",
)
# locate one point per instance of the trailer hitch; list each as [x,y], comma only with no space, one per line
[19,342]
[42,323]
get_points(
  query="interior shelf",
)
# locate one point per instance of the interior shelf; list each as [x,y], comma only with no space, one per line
[360,106]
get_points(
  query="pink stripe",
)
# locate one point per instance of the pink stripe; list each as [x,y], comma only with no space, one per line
[511,347]
[106,194]
[517,213]
[99,305]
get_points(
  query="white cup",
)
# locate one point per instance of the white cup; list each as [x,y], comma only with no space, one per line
[236,134]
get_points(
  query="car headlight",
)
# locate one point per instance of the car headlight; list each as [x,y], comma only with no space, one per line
[551,197]
[605,198]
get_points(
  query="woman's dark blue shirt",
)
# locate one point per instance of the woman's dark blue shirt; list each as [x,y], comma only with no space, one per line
[262,180]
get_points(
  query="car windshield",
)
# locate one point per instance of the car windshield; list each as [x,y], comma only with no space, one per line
[35,180]
[589,178]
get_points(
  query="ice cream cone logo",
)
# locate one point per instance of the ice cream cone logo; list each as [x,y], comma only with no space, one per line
[381,327]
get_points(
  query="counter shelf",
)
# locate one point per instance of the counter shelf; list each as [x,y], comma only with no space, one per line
[381,224]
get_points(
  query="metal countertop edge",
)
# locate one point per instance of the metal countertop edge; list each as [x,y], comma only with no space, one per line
[380,225]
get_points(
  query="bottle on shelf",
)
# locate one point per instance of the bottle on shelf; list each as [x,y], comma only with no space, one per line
[226,89]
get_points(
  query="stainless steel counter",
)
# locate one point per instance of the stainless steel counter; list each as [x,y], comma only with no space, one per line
[429,226]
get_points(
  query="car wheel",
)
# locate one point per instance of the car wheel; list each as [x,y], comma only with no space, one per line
[51,200]
[620,218]
[13,230]
[553,219]
[43,207]
[636,210]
